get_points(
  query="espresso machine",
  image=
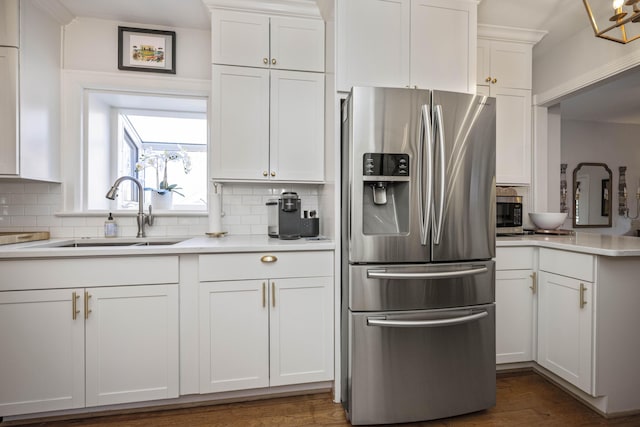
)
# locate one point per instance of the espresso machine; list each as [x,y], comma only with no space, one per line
[285,221]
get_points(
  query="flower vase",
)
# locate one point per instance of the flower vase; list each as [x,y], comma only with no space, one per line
[162,201]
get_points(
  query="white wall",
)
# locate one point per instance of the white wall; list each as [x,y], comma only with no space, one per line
[613,144]
[92,45]
[562,67]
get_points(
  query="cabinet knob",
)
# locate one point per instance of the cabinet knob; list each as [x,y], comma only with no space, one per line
[264,173]
[273,61]
[488,79]
[273,173]
[268,258]
[494,81]
[265,60]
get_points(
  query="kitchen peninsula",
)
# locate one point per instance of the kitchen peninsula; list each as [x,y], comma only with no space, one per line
[567,306]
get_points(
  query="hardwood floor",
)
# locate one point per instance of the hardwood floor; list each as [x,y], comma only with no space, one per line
[523,399]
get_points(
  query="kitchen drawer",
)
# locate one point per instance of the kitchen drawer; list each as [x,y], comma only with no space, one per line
[88,272]
[243,266]
[514,258]
[570,264]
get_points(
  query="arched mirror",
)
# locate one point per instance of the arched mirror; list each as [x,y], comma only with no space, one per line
[592,195]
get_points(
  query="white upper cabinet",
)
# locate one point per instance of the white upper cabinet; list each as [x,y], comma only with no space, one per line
[29,92]
[373,43]
[504,71]
[504,64]
[9,23]
[267,125]
[258,40]
[443,37]
[407,43]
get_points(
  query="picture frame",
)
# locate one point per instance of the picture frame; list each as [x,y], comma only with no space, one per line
[146,50]
[604,197]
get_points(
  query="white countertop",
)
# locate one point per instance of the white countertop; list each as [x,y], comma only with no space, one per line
[205,244]
[590,243]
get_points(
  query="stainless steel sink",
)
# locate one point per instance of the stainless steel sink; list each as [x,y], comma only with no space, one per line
[104,243]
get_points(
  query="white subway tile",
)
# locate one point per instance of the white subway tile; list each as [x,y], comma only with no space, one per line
[23,221]
[11,188]
[80,232]
[36,188]
[24,199]
[37,210]
[251,200]
[239,229]
[74,221]
[48,221]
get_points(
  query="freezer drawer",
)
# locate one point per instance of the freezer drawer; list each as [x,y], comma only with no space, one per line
[420,286]
[420,365]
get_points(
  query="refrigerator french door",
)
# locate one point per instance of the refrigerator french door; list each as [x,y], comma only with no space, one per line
[418,282]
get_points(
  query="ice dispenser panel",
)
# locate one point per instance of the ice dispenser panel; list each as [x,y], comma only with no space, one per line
[386,193]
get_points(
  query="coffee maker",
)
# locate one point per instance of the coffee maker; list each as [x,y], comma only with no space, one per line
[285,221]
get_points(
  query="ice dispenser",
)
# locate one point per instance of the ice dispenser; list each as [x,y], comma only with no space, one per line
[385,193]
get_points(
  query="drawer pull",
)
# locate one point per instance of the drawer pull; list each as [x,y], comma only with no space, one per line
[269,258]
[583,288]
[264,294]
[273,294]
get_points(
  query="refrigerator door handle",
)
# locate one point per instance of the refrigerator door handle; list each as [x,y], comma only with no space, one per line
[439,130]
[382,321]
[385,274]
[426,135]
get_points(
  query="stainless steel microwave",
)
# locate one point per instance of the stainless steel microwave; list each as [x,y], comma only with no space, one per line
[509,215]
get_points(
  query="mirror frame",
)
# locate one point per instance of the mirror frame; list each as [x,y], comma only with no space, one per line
[573,200]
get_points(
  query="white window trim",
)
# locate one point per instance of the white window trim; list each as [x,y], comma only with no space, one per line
[73,106]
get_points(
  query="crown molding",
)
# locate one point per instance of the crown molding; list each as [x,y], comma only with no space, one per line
[513,34]
[57,10]
[303,8]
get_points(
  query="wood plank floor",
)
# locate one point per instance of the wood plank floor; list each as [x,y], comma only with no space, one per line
[523,399]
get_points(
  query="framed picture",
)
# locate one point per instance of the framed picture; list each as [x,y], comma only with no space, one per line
[606,193]
[140,49]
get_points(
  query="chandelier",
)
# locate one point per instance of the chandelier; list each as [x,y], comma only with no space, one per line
[613,18]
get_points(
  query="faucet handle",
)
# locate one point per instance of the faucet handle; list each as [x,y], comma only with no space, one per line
[149,218]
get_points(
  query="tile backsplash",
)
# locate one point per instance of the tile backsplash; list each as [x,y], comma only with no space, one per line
[28,206]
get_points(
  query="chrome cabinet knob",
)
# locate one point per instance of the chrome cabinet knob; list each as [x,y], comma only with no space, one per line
[264,173]
[273,61]
[273,173]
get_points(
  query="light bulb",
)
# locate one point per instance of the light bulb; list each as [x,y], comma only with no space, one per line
[617,4]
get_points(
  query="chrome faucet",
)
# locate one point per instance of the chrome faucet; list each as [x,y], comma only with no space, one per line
[142,217]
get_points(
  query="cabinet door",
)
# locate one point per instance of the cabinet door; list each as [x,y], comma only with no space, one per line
[515,296]
[301,333]
[234,335]
[511,65]
[239,38]
[443,39]
[297,126]
[513,135]
[240,132]
[9,23]
[42,352]
[9,111]
[297,44]
[483,62]
[373,43]
[565,328]
[132,344]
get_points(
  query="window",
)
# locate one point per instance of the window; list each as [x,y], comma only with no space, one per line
[148,137]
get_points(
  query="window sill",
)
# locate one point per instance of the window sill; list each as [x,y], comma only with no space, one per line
[105,213]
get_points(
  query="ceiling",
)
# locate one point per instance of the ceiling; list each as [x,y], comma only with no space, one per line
[613,101]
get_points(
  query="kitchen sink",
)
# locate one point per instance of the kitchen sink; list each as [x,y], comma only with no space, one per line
[104,243]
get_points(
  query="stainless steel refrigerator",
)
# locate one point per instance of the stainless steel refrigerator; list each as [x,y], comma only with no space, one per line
[418,282]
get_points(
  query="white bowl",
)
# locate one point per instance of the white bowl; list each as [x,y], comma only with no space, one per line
[547,220]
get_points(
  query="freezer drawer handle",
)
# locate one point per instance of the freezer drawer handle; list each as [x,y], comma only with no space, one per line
[383,274]
[381,321]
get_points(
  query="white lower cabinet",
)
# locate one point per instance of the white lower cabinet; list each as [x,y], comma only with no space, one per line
[41,352]
[566,305]
[271,331]
[516,296]
[70,348]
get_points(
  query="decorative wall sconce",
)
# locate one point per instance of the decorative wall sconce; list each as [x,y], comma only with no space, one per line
[623,208]
[563,188]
